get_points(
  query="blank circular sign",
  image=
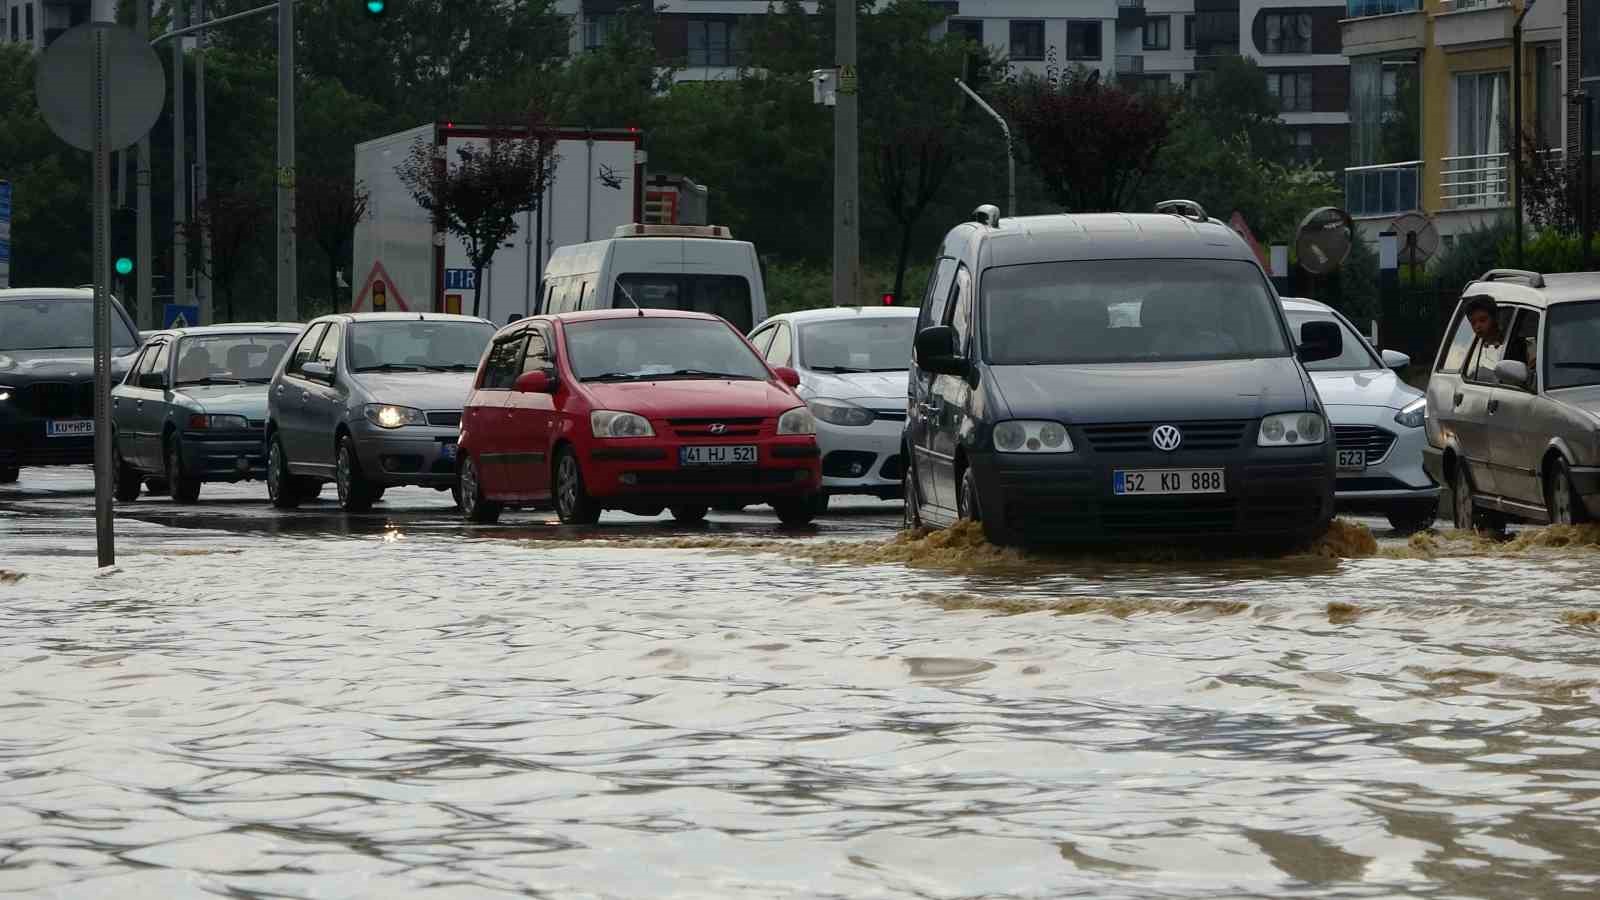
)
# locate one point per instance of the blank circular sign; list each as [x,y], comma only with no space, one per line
[136,86]
[1324,240]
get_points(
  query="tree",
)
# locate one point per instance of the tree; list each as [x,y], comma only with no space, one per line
[1090,141]
[1233,100]
[50,230]
[327,210]
[233,219]
[478,196]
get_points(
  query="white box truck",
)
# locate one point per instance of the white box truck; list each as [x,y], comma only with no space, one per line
[401,265]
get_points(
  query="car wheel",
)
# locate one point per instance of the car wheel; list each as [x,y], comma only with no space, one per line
[819,504]
[1410,518]
[180,487]
[574,506]
[355,493]
[1467,516]
[795,512]
[689,515]
[1560,499]
[125,480]
[282,486]
[469,494]
[911,519]
[967,505]
[10,474]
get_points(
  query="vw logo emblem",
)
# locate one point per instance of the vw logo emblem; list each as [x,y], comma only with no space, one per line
[718,428]
[1166,437]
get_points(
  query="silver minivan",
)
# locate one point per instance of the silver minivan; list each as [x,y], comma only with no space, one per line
[1513,416]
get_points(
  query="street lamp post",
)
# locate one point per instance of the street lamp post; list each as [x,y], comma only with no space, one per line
[1516,122]
[1011,156]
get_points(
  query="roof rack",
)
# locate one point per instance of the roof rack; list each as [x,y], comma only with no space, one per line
[697,231]
[987,214]
[1534,279]
[1185,209]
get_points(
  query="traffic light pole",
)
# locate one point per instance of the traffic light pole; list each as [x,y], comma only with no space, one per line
[846,164]
[180,177]
[145,273]
[202,281]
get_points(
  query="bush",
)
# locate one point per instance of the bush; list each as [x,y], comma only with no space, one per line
[1474,253]
[1548,251]
[796,286]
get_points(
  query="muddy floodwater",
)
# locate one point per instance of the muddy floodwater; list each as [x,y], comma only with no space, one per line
[308,705]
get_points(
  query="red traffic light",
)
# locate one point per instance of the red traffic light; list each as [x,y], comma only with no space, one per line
[888,299]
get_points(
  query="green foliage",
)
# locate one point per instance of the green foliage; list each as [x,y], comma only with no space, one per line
[1548,251]
[795,286]
[1233,103]
[51,235]
[1475,252]
[1353,290]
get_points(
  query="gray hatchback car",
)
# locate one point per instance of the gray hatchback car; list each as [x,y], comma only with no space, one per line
[371,401]
[1514,401]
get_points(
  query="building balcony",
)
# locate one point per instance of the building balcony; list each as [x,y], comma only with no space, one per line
[1382,190]
[1130,64]
[1382,26]
[1467,24]
[1482,181]
[1130,13]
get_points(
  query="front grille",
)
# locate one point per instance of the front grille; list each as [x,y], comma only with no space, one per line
[890,415]
[700,428]
[1135,437]
[676,423]
[1376,441]
[445,419]
[58,399]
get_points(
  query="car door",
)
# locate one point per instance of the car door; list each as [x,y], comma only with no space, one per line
[127,400]
[149,407]
[530,420]
[488,417]
[919,436]
[1471,408]
[948,399]
[325,401]
[290,395]
[1518,431]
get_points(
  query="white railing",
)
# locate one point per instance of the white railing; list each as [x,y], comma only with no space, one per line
[1475,182]
[1450,6]
[1382,189]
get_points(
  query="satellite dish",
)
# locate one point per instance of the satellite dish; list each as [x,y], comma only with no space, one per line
[1418,238]
[1324,239]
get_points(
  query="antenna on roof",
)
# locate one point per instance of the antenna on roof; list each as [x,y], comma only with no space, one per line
[628,295]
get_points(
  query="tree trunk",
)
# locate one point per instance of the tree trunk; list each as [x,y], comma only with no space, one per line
[900,269]
[477,290]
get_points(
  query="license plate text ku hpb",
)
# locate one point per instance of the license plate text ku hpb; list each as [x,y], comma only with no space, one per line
[69,428]
[1167,481]
[718,455]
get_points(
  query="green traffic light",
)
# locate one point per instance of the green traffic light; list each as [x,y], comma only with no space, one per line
[375,6]
[124,265]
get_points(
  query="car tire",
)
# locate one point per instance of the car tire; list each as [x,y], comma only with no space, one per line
[155,485]
[125,480]
[688,514]
[180,487]
[283,487]
[469,494]
[1563,502]
[1410,518]
[1465,513]
[911,519]
[968,505]
[574,506]
[10,474]
[819,503]
[795,512]
[355,492]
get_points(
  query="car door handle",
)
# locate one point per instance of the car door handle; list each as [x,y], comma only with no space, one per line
[1459,398]
[1494,405]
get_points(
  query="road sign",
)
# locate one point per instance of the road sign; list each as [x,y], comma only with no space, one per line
[459,279]
[177,315]
[5,234]
[64,85]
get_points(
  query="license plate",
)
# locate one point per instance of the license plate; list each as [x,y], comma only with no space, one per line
[1167,481]
[69,428]
[1352,460]
[448,451]
[718,455]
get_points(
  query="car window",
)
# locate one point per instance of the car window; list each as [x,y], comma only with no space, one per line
[1355,356]
[132,375]
[961,315]
[56,324]
[1455,356]
[1572,345]
[1523,344]
[938,293]
[158,365]
[861,344]
[762,339]
[538,358]
[500,367]
[1129,310]
[328,350]
[648,349]
[1485,356]
[727,296]
[305,351]
[419,345]
[248,358]
[781,353]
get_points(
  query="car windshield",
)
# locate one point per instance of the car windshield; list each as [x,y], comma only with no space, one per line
[727,296]
[418,345]
[1128,310]
[66,324]
[1572,346]
[1355,355]
[860,344]
[642,348]
[231,358]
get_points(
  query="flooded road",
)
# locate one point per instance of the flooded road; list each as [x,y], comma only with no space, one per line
[265,704]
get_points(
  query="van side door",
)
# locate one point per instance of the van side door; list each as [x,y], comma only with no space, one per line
[950,399]
[1520,424]
[935,304]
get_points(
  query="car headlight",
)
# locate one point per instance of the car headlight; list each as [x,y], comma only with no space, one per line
[797,421]
[229,423]
[607,423]
[1415,414]
[841,412]
[1024,436]
[5,392]
[1292,430]
[386,416]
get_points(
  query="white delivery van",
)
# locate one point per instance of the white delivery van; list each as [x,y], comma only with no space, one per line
[693,267]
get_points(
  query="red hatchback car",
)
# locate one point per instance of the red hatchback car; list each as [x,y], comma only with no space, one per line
[638,410]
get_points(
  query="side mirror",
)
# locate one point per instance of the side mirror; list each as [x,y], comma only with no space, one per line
[787,376]
[1320,341]
[317,371]
[535,383]
[1514,373]
[1396,360]
[154,381]
[936,351]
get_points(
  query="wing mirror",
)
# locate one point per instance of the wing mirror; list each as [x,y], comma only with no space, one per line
[1320,341]
[1396,360]
[535,383]
[318,371]
[155,381]
[788,376]
[937,352]
[1514,373]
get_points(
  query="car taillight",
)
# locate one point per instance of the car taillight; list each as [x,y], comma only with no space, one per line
[198,422]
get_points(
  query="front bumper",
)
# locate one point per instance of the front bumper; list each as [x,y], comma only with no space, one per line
[24,442]
[1394,470]
[645,472]
[421,455]
[862,459]
[1271,494]
[224,456]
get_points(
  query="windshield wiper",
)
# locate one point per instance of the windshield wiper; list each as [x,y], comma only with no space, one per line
[454,367]
[703,373]
[210,381]
[390,367]
[612,376]
[842,370]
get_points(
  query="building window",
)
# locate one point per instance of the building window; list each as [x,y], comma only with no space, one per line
[710,42]
[1288,32]
[1158,33]
[1027,40]
[1303,149]
[1549,111]
[1083,40]
[1293,90]
[969,29]
[29,20]
[16,22]
[596,28]
[1188,32]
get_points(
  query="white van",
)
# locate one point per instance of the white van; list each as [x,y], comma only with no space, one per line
[693,267]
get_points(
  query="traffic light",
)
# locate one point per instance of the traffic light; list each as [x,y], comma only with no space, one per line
[375,8]
[888,298]
[124,230]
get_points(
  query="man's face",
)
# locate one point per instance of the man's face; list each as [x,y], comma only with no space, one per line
[1483,324]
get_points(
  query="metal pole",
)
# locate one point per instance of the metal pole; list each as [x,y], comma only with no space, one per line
[846,163]
[1516,124]
[538,246]
[1011,157]
[202,283]
[1588,179]
[202,26]
[288,277]
[180,179]
[527,263]
[105,549]
[143,237]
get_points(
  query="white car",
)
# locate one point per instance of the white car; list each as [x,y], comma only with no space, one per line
[852,363]
[1378,423]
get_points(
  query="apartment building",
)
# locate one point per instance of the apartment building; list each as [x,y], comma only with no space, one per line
[1431,105]
[39,22]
